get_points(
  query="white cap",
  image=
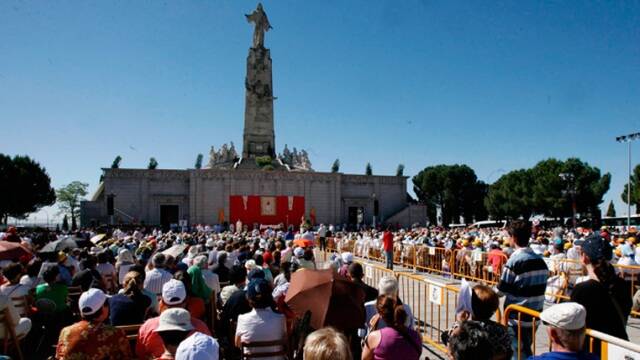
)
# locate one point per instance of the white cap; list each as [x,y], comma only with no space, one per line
[91,301]
[198,346]
[210,243]
[347,257]
[308,236]
[566,316]
[173,292]
[298,252]
[175,319]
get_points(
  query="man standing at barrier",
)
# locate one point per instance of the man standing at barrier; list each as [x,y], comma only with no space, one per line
[387,245]
[566,330]
[523,282]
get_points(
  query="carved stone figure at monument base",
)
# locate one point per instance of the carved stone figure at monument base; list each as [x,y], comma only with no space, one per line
[223,158]
[296,160]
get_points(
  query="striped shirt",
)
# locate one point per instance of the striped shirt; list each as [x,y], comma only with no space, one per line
[523,282]
[155,279]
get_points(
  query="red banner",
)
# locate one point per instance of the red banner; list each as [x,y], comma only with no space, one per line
[262,210]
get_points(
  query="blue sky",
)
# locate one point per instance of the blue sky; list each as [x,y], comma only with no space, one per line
[495,85]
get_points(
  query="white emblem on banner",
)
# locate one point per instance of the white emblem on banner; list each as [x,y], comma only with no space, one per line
[268,206]
[290,202]
[245,200]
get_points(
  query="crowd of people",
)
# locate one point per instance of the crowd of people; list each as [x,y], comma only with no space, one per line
[208,292]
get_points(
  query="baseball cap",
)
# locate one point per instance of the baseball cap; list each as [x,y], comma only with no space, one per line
[91,301]
[177,319]
[298,252]
[347,257]
[198,346]
[596,248]
[210,243]
[566,316]
[173,292]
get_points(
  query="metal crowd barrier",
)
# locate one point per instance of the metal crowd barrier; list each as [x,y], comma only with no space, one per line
[433,305]
[610,347]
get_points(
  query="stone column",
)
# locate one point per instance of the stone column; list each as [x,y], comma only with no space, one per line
[259,135]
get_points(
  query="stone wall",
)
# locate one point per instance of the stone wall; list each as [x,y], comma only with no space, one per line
[202,193]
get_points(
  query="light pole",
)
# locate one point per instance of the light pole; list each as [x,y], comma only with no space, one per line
[571,190]
[628,139]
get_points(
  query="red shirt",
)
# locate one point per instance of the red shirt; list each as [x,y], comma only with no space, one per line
[150,345]
[497,259]
[387,241]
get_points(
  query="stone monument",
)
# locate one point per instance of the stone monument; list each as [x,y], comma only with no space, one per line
[259,134]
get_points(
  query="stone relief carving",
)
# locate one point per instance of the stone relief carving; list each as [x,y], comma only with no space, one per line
[226,156]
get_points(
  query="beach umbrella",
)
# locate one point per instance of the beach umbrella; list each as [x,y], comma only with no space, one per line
[10,251]
[303,242]
[176,250]
[96,239]
[332,300]
[59,245]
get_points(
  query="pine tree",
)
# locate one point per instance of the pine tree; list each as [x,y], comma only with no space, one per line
[400,170]
[116,162]
[153,164]
[199,161]
[611,210]
[336,166]
[65,224]
[368,170]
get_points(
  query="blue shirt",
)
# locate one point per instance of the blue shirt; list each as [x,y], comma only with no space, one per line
[555,355]
[524,281]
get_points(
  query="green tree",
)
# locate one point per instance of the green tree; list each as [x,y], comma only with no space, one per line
[65,223]
[400,170]
[552,194]
[69,197]
[453,188]
[368,171]
[611,210]
[116,162]
[336,166]
[25,187]
[635,189]
[511,196]
[199,161]
[153,164]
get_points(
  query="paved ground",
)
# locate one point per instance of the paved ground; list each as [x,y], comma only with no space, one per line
[431,318]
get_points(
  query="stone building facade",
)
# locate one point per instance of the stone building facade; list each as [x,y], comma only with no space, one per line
[164,197]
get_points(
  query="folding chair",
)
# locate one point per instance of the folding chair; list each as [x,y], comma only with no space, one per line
[256,345]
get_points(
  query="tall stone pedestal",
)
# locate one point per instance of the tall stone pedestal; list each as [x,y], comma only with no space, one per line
[259,135]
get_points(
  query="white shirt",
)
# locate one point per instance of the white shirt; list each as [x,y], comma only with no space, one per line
[15,291]
[262,325]
[155,279]
[211,279]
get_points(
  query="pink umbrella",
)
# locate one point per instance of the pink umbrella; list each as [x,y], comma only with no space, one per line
[12,251]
